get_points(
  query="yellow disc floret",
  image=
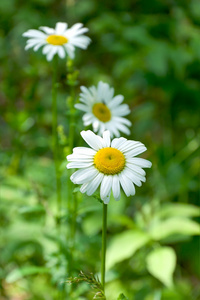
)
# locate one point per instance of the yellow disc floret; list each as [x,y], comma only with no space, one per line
[57,40]
[102,112]
[109,161]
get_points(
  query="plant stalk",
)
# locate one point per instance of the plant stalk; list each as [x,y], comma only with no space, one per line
[103,251]
[55,139]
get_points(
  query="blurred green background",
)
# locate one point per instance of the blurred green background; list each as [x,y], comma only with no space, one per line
[149,51]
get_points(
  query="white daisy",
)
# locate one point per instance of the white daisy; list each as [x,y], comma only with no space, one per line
[108,164]
[104,110]
[57,41]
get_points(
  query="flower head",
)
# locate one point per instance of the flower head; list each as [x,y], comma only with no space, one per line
[112,165]
[104,110]
[57,41]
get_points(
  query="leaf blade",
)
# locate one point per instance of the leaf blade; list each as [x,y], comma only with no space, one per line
[161,263]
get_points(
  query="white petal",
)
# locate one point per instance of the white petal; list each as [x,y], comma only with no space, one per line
[83,188]
[93,185]
[47,30]
[106,137]
[127,185]
[85,90]
[46,49]
[51,53]
[74,165]
[131,175]
[106,186]
[79,157]
[116,101]
[84,175]
[121,110]
[116,187]
[129,145]
[106,200]
[136,151]
[76,27]
[102,128]
[88,119]
[138,175]
[123,128]
[36,47]
[135,168]
[60,27]
[81,42]
[95,125]
[61,52]
[70,50]
[118,142]
[75,31]
[92,139]
[81,107]
[102,90]
[33,33]
[122,120]
[84,151]
[32,44]
[144,163]
[112,128]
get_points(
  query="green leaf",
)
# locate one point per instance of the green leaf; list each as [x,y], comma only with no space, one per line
[171,226]
[161,263]
[179,209]
[37,209]
[25,271]
[124,245]
[157,58]
[122,297]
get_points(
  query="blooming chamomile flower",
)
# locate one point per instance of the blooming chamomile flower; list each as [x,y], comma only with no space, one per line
[108,164]
[60,40]
[104,110]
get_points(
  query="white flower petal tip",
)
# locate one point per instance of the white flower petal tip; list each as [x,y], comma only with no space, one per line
[110,165]
[103,110]
[61,40]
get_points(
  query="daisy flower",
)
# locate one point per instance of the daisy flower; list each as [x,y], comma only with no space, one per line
[108,164]
[61,40]
[104,110]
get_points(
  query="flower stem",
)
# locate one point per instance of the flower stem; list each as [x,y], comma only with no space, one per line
[103,252]
[55,139]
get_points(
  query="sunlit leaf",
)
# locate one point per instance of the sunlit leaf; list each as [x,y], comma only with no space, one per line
[17,274]
[124,245]
[179,209]
[37,209]
[122,297]
[161,263]
[171,226]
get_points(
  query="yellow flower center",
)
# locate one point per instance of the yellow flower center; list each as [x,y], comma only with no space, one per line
[109,161]
[102,112]
[56,40]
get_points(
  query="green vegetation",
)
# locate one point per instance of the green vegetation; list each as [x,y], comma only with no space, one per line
[149,51]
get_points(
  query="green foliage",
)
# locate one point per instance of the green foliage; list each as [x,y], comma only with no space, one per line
[122,297]
[161,263]
[20,273]
[124,245]
[92,281]
[175,225]
[149,52]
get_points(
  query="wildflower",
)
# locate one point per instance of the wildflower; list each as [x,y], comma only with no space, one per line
[57,41]
[103,110]
[108,164]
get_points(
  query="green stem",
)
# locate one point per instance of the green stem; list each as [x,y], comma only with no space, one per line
[103,252]
[55,139]
[72,199]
